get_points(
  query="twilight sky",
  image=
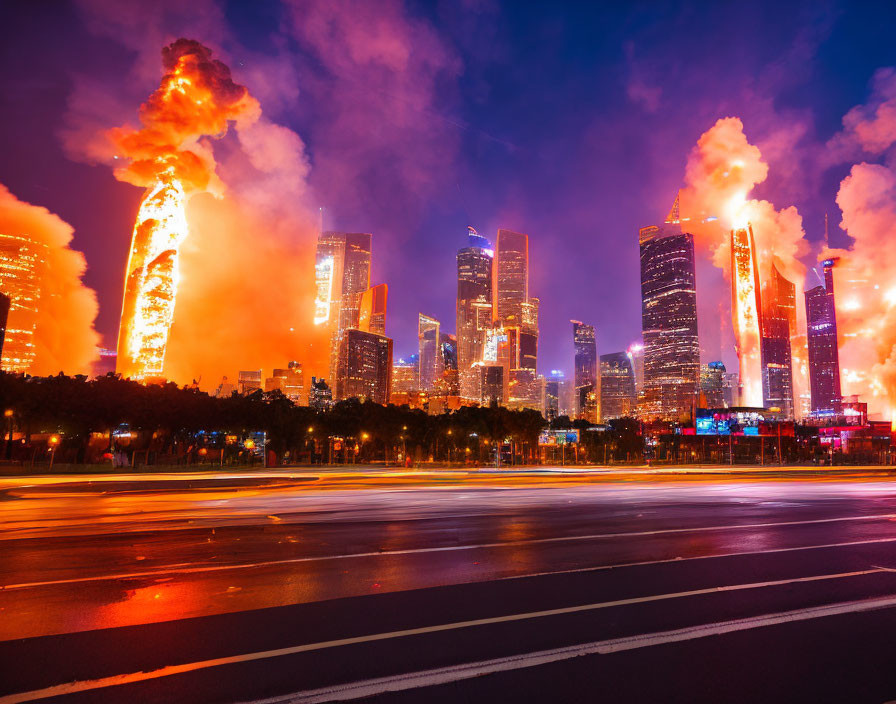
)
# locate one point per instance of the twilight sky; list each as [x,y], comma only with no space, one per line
[567,121]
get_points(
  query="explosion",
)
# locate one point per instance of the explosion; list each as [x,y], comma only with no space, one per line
[168,155]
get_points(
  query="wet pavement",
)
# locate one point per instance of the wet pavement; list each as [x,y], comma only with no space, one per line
[398,585]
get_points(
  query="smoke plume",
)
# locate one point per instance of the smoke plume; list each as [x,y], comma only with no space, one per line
[64,337]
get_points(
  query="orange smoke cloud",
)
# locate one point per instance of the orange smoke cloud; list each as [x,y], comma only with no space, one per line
[64,338]
[197,98]
[722,170]
[244,294]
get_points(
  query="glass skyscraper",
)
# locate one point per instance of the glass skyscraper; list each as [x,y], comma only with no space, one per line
[824,356]
[474,310]
[429,351]
[511,275]
[587,379]
[778,324]
[617,386]
[365,367]
[668,320]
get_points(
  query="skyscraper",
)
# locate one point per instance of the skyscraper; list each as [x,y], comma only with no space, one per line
[747,315]
[668,319]
[712,384]
[587,380]
[617,386]
[23,263]
[824,356]
[511,275]
[430,357]
[249,381]
[365,366]
[372,313]
[778,324]
[342,275]
[474,310]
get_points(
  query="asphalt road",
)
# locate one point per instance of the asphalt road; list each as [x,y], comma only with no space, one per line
[449,587]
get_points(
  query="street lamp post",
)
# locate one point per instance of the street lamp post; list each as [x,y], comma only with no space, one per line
[8,414]
[54,441]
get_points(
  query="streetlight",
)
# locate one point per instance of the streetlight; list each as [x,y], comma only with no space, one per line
[54,441]
[8,414]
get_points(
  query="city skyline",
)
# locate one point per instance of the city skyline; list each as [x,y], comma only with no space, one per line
[417,211]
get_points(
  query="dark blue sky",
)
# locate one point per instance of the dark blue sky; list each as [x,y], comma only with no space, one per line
[571,122]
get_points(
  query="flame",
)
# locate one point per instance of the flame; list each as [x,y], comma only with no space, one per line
[151,280]
[746,312]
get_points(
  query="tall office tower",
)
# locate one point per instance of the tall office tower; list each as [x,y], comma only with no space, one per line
[712,384]
[474,310]
[778,324]
[341,275]
[365,367]
[552,391]
[617,386]
[824,355]
[430,366]
[447,383]
[587,379]
[372,313]
[511,275]
[747,315]
[320,395]
[248,381]
[23,263]
[530,315]
[668,320]
[4,318]
[730,389]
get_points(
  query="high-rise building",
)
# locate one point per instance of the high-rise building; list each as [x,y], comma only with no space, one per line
[342,275]
[712,384]
[405,376]
[372,314]
[747,315]
[492,384]
[587,379]
[778,325]
[429,353]
[511,275]
[474,310]
[289,381]
[668,319]
[248,381]
[447,383]
[552,392]
[23,264]
[824,355]
[617,386]
[365,366]
[635,354]
[4,318]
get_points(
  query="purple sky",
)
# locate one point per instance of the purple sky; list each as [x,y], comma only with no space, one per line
[570,123]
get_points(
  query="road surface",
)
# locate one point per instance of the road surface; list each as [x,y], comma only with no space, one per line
[774,586]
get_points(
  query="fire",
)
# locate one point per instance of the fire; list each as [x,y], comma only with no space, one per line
[151,280]
[745,313]
[169,155]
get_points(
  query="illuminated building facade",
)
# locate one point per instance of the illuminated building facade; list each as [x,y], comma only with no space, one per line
[712,385]
[248,381]
[23,263]
[474,310]
[747,315]
[447,383]
[289,381]
[320,395]
[824,356]
[635,355]
[668,320]
[511,275]
[365,367]
[778,324]
[342,275]
[372,314]
[617,386]
[428,350]
[405,376]
[492,384]
[587,379]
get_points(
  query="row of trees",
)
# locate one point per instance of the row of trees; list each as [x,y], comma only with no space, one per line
[172,424]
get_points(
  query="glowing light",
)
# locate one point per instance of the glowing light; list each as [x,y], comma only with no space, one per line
[851,304]
[323,281]
[151,280]
[890,297]
[746,315]
[737,212]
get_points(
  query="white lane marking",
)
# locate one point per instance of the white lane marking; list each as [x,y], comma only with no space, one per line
[444,675]
[449,548]
[115,680]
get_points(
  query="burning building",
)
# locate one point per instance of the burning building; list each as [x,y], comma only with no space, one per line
[746,313]
[22,268]
[167,155]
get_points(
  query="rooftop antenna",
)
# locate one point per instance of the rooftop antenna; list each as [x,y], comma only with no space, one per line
[321,220]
